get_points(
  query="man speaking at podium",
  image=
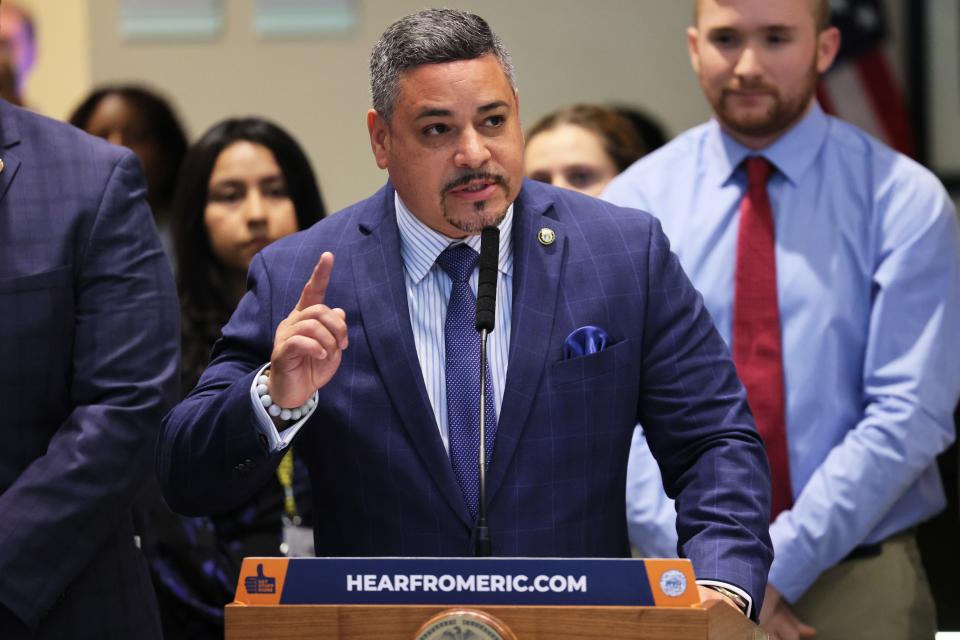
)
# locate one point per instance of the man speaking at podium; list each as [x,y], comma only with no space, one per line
[374,366]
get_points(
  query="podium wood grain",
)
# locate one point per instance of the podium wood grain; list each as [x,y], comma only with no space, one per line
[716,621]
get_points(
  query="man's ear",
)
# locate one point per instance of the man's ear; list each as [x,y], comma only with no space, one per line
[693,36]
[516,98]
[379,137]
[828,44]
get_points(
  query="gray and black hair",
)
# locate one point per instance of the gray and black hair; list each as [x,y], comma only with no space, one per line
[427,37]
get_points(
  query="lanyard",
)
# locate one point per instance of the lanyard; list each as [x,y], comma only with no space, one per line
[285,475]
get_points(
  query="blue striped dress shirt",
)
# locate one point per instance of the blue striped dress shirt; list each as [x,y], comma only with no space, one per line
[428,290]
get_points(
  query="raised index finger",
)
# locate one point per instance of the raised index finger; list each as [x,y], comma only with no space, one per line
[316,287]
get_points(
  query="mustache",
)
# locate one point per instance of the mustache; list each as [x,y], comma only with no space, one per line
[467,178]
[750,86]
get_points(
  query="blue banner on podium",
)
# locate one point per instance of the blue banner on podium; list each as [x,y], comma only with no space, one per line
[477,581]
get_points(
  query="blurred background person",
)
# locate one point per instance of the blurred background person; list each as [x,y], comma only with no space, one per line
[244,184]
[8,80]
[581,147]
[143,121]
[18,51]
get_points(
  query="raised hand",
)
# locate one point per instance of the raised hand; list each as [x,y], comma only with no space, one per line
[309,342]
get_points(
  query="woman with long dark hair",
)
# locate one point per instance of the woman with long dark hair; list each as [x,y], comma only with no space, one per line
[212,274]
[244,184]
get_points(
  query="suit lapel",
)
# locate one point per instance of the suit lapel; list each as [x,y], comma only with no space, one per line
[11,164]
[536,284]
[9,137]
[381,295]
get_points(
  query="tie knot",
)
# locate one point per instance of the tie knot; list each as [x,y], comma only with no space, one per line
[458,261]
[759,170]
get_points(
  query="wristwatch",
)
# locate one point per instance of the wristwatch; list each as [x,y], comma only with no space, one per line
[738,599]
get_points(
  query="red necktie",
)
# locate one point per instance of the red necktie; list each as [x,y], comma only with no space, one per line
[756,327]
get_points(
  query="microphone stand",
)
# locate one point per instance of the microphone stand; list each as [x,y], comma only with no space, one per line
[486,316]
[482,544]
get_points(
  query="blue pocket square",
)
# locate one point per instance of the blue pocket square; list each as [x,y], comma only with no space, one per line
[584,341]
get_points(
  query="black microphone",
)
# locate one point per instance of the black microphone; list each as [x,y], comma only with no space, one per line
[487,284]
[486,311]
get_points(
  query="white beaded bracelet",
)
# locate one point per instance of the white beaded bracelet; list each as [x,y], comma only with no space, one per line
[276,410]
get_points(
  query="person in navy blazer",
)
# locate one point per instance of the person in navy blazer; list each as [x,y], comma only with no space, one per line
[89,342]
[588,277]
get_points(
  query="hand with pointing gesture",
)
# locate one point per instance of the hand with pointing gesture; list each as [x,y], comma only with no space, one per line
[309,342]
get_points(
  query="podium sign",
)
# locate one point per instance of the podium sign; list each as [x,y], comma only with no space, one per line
[480,598]
[473,581]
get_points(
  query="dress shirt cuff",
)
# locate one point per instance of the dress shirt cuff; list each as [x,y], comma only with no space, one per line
[276,441]
[793,570]
[726,585]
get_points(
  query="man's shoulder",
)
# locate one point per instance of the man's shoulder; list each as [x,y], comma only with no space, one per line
[683,148]
[594,223]
[574,207]
[890,175]
[337,231]
[34,133]
[649,175]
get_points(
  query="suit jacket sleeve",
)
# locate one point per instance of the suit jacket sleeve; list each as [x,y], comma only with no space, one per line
[212,457]
[66,504]
[699,428]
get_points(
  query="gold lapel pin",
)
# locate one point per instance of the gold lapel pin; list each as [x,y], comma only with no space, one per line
[1,165]
[546,236]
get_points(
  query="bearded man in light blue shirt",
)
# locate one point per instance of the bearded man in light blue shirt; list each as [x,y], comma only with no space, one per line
[867,253]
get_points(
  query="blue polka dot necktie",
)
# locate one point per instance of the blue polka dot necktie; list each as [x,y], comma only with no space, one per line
[462,361]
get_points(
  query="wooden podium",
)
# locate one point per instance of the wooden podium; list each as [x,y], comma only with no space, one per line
[325,598]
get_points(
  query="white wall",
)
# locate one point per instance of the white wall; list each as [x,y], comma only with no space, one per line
[565,51]
[63,71]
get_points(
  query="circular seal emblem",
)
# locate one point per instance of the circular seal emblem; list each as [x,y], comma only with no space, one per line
[463,624]
[546,236]
[673,583]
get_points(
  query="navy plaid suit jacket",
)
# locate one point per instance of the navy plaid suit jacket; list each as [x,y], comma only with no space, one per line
[89,343]
[383,484]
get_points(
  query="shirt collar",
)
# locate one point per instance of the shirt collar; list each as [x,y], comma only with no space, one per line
[792,153]
[420,245]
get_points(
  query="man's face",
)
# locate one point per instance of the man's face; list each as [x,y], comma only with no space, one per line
[758,63]
[454,147]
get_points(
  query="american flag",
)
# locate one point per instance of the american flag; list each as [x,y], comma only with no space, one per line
[861,87]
